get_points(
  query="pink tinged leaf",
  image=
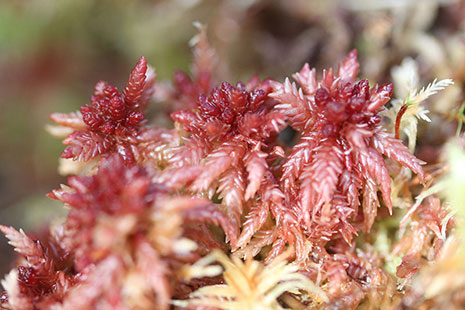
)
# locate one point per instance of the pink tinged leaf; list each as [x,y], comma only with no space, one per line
[149,87]
[154,271]
[339,219]
[231,190]
[358,136]
[31,250]
[150,134]
[253,223]
[302,247]
[374,168]
[278,151]
[395,150]
[271,191]
[292,168]
[260,240]
[348,68]
[440,217]
[370,204]
[292,103]
[380,96]
[84,146]
[274,122]
[328,79]
[306,78]
[211,214]
[135,86]
[155,145]
[184,203]
[286,211]
[81,185]
[215,166]
[350,184]
[319,179]
[71,120]
[347,231]
[216,163]
[190,153]
[66,194]
[215,128]
[256,166]
[179,176]
[276,249]
[272,195]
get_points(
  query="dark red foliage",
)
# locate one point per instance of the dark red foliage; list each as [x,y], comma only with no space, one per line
[349,104]
[29,279]
[228,111]
[108,113]
[112,121]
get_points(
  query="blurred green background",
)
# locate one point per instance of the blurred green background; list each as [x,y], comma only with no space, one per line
[52,52]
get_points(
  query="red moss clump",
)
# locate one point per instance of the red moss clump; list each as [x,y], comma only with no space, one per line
[160,199]
[112,121]
[229,146]
[122,230]
[340,153]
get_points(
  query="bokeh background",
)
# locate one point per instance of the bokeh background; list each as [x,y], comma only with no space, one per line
[52,52]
